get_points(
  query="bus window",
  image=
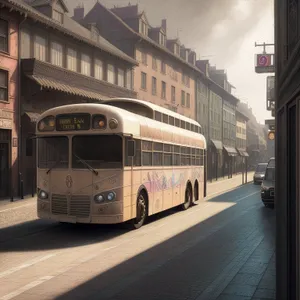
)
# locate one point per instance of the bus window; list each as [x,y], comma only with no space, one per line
[188,126]
[176,156]
[166,119]
[158,116]
[146,153]
[91,149]
[167,155]
[192,127]
[182,124]
[157,154]
[171,121]
[177,122]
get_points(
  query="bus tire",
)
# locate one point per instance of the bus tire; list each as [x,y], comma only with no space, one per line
[188,198]
[141,210]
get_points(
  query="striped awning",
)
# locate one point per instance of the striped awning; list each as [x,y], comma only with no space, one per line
[230,151]
[242,152]
[53,84]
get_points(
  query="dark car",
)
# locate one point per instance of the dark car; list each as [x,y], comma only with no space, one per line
[259,174]
[268,185]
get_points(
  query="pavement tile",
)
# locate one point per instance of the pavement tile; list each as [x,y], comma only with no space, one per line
[265,293]
[240,290]
[232,297]
[254,269]
[248,279]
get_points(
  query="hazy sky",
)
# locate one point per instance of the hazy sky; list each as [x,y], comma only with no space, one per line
[223,31]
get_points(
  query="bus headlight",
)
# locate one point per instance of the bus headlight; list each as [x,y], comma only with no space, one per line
[43,195]
[99,198]
[111,196]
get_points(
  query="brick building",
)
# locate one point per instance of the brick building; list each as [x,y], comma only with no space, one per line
[9,99]
[63,62]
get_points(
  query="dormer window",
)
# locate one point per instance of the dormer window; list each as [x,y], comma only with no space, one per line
[143,27]
[57,16]
[162,39]
[176,49]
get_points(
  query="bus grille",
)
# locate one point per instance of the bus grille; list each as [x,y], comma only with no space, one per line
[80,206]
[59,205]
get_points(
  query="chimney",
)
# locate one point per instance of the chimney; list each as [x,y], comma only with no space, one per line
[78,13]
[164,24]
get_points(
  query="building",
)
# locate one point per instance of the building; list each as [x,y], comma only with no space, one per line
[229,122]
[63,62]
[287,153]
[9,100]
[241,141]
[167,70]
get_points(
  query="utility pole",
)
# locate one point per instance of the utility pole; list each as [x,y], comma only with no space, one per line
[264,45]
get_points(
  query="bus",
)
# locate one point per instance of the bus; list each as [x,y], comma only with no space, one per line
[119,161]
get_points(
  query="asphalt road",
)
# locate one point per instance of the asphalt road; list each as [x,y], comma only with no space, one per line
[202,253]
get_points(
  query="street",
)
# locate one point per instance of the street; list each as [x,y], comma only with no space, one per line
[222,248]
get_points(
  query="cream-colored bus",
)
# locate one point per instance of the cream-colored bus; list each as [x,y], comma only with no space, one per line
[119,161]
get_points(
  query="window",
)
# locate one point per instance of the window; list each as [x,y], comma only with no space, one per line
[3,85]
[143,81]
[176,49]
[71,60]
[154,63]
[171,121]
[183,98]
[57,16]
[85,65]
[3,35]
[40,48]
[173,94]
[158,154]
[162,39]
[146,153]
[168,155]
[144,58]
[143,27]
[165,118]
[121,79]
[163,67]
[154,86]
[188,100]
[163,90]
[110,74]
[129,79]
[98,69]
[90,149]
[158,116]
[56,54]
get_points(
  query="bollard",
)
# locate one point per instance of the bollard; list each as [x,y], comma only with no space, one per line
[12,195]
[21,189]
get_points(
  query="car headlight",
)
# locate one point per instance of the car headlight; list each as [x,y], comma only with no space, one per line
[111,196]
[263,188]
[43,195]
[99,198]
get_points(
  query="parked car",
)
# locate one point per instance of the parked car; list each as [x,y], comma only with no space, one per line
[268,185]
[259,174]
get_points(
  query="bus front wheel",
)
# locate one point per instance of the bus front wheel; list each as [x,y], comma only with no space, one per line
[188,198]
[141,211]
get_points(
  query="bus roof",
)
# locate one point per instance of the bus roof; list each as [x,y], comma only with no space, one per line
[154,108]
[138,126]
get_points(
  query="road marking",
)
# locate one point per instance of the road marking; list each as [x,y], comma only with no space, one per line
[26,265]
[13,208]
[26,288]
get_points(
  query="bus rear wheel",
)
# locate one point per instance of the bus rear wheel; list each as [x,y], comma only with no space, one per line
[188,199]
[141,211]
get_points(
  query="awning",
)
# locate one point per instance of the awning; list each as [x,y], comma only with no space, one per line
[230,151]
[33,116]
[52,84]
[242,152]
[218,144]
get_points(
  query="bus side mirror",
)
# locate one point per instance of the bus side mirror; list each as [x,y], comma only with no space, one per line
[131,148]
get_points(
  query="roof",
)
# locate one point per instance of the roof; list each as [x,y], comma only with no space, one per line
[166,50]
[155,107]
[130,121]
[56,78]
[71,28]
[36,3]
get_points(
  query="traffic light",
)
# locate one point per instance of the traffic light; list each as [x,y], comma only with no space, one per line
[271,135]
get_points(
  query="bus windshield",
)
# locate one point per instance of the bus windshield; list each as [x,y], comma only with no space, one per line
[53,152]
[270,174]
[99,151]
[261,168]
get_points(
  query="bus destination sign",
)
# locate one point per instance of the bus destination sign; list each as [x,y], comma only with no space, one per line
[71,122]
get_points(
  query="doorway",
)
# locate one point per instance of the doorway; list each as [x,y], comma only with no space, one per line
[4,163]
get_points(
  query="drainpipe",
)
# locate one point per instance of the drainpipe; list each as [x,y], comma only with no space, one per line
[19,110]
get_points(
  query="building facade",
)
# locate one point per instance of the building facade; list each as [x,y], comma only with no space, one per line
[167,70]
[287,118]
[63,62]
[241,141]
[9,101]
